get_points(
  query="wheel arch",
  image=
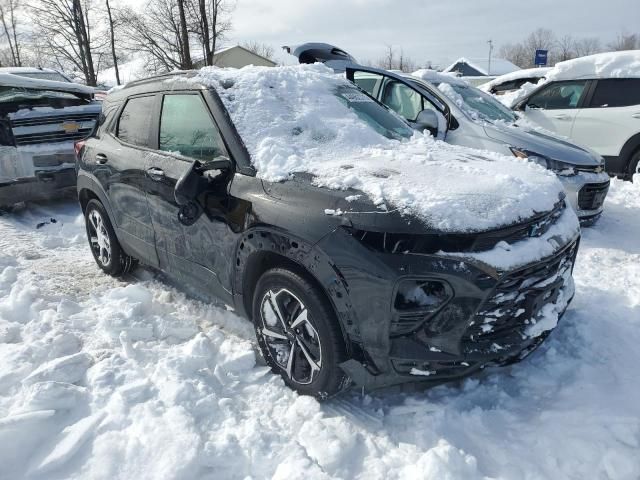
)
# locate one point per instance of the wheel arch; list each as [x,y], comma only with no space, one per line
[260,250]
[629,148]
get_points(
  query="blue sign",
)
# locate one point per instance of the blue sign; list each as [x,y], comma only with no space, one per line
[541,58]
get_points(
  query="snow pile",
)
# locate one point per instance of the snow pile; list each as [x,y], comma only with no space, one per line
[526,73]
[435,77]
[624,64]
[303,119]
[101,378]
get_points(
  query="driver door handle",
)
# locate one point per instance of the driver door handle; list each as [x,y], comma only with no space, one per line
[562,116]
[101,158]
[635,115]
[156,174]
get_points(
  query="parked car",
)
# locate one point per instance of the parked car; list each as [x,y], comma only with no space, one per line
[594,101]
[37,73]
[514,80]
[460,114]
[291,196]
[39,121]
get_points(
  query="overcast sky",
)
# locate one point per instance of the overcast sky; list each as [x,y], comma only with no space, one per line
[439,31]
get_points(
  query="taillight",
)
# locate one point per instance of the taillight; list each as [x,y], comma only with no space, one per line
[78,146]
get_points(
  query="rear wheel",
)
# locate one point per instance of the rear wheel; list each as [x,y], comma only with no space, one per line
[298,333]
[103,242]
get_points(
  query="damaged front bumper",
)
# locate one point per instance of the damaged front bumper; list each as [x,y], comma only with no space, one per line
[480,317]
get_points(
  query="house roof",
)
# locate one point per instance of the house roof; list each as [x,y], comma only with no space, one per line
[499,66]
[234,47]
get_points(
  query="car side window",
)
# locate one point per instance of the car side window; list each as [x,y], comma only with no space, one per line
[186,128]
[558,95]
[403,100]
[616,92]
[369,82]
[135,119]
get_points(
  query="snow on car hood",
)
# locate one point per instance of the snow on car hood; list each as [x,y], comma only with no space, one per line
[291,120]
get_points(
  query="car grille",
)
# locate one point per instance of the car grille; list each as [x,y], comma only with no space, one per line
[519,297]
[592,195]
[33,131]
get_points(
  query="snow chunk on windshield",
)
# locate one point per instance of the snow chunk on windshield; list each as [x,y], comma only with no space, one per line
[305,118]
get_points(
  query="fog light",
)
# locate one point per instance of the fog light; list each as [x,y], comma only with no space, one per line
[421,295]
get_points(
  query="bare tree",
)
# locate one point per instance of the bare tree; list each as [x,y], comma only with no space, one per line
[565,48]
[160,32]
[587,46]
[262,49]
[625,41]
[9,18]
[516,53]
[64,29]
[112,36]
[396,61]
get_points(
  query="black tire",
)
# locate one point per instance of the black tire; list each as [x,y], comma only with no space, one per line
[286,287]
[112,260]
[634,163]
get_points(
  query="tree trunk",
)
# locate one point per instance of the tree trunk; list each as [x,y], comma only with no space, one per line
[113,44]
[186,63]
[208,53]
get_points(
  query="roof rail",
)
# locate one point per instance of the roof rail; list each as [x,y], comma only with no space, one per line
[155,78]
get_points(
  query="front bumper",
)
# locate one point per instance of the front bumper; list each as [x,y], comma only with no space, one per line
[46,184]
[586,192]
[493,318]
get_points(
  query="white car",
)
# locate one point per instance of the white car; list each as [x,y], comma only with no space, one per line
[595,102]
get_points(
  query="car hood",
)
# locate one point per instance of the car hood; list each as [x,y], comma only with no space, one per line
[529,139]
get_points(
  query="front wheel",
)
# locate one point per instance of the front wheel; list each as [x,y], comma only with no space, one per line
[299,334]
[103,242]
[634,165]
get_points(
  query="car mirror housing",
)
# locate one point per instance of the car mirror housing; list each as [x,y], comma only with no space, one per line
[427,119]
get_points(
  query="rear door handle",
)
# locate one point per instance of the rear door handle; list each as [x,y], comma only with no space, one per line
[101,158]
[562,116]
[156,174]
[635,115]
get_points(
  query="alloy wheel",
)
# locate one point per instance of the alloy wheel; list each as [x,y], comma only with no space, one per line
[99,238]
[291,337]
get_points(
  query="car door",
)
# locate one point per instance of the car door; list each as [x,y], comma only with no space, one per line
[610,117]
[187,132]
[120,160]
[556,105]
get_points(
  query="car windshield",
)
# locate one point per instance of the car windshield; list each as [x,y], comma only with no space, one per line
[476,103]
[373,114]
[55,76]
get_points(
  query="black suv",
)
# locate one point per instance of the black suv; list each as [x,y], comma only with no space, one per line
[348,294]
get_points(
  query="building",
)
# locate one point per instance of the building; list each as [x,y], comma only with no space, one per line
[479,67]
[236,57]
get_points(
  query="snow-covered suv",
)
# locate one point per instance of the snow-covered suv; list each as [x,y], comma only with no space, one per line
[595,102]
[39,122]
[292,196]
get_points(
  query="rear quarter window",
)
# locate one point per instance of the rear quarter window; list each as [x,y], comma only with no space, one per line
[616,92]
[135,121]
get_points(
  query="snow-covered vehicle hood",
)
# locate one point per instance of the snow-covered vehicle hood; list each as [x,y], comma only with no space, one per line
[292,121]
[531,140]
[11,80]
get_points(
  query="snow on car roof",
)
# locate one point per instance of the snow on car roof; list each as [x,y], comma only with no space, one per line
[624,64]
[291,120]
[437,77]
[11,80]
[526,73]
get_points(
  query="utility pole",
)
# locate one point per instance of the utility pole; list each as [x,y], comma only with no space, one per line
[490,42]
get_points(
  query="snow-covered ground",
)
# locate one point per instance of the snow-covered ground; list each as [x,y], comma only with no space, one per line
[101,378]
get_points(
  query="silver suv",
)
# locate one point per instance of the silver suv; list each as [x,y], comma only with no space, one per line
[39,122]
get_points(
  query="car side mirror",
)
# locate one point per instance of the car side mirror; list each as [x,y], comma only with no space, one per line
[191,184]
[427,119]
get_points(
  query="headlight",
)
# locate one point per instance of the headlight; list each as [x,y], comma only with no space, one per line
[559,168]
